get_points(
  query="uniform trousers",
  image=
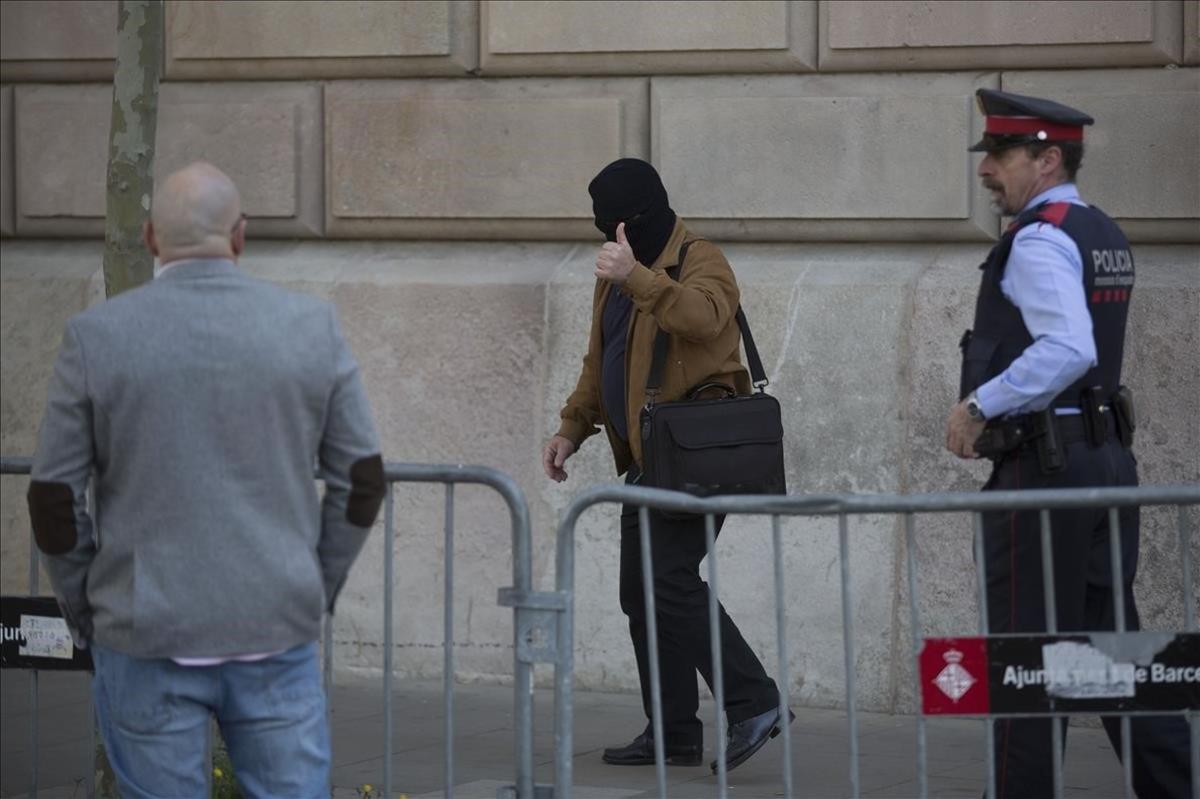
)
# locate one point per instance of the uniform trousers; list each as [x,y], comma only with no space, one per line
[677,545]
[1083,580]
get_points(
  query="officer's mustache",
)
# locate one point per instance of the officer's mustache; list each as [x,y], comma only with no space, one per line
[992,185]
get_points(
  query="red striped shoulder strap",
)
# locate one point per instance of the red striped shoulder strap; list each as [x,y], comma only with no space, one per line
[1054,213]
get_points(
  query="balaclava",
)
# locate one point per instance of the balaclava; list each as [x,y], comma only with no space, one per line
[629,190]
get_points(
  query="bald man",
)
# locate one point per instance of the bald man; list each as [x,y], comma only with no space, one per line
[197,405]
[197,213]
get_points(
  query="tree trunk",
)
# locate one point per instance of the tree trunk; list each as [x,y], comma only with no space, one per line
[130,184]
[131,144]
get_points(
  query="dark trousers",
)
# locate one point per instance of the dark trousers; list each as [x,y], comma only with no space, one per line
[684,642]
[1083,579]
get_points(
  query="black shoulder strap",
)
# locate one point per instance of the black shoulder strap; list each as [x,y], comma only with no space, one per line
[654,381]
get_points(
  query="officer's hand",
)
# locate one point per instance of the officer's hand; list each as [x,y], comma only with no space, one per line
[615,260]
[554,455]
[962,432]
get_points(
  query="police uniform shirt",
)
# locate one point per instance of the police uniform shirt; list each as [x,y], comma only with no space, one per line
[1044,280]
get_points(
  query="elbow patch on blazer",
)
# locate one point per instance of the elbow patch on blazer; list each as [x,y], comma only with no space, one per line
[366,491]
[52,512]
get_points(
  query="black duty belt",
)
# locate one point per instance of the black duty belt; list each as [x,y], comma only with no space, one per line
[1044,433]
[1073,429]
[1048,433]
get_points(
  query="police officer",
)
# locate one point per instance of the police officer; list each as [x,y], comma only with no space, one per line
[1041,397]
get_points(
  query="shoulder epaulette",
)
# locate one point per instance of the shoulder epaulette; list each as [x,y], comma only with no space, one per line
[1054,213]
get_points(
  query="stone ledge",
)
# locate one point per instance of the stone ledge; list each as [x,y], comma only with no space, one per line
[1160,231]
[867,230]
[76,71]
[865,35]
[638,38]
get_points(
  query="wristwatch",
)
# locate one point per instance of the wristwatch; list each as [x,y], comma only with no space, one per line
[973,408]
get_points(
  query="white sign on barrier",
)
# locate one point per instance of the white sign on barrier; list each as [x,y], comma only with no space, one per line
[46,637]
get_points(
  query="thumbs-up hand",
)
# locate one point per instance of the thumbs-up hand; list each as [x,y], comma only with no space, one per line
[621,234]
[615,260]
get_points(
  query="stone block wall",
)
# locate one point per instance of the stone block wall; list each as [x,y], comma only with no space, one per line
[269,133]
[424,165]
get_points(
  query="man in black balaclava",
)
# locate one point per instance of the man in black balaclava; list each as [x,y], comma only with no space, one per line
[630,191]
[653,273]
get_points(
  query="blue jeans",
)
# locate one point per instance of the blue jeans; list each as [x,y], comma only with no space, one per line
[154,717]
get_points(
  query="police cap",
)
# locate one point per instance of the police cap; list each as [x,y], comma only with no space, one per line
[1014,119]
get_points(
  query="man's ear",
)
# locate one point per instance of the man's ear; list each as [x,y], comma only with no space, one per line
[148,237]
[1051,158]
[237,242]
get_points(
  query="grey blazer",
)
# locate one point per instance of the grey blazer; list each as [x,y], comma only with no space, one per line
[199,404]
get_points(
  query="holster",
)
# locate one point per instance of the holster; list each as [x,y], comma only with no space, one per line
[1038,430]
[1094,424]
[1000,438]
[1050,451]
[1123,415]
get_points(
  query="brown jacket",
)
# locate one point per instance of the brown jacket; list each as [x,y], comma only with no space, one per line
[698,311]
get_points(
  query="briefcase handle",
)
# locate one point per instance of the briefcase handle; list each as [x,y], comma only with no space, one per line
[696,391]
[758,375]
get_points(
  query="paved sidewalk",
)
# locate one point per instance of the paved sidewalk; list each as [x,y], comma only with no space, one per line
[483,758]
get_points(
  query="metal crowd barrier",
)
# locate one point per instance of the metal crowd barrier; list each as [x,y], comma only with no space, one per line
[449,475]
[21,466]
[544,621]
[561,603]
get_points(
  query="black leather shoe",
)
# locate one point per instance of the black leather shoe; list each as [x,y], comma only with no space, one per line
[747,737]
[641,753]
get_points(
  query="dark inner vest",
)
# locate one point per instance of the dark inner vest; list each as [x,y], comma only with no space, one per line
[614,328]
[999,335]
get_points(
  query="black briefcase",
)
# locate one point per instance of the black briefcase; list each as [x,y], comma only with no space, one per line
[728,445]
